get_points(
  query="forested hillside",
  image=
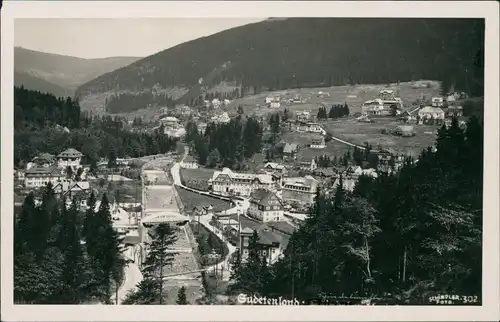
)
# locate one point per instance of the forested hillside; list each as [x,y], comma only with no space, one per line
[40,118]
[300,52]
[39,84]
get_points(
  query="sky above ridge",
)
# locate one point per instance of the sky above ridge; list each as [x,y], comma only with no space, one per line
[100,38]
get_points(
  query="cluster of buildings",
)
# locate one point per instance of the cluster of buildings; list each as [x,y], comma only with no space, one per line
[217,103]
[438,111]
[47,168]
[172,127]
[64,171]
[385,104]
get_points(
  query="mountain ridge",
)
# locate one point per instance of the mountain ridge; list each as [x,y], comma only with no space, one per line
[64,73]
[311,52]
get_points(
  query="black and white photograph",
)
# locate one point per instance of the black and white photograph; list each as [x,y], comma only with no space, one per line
[274,160]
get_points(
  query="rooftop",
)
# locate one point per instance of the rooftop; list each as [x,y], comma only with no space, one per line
[431,109]
[267,233]
[44,157]
[262,196]
[307,181]
[263,178]
[44,171]
[274,165]
[189,158]
[70,153]
[170,119]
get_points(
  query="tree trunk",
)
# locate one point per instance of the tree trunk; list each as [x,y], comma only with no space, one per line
[368,270]
[161,279]
[404,264]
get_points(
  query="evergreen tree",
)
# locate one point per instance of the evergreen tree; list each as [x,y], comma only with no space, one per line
[145,294]
[181,297]
[25,226]
[74,275]
[251,270]
[162,238]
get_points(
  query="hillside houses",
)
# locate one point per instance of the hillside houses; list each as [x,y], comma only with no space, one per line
[385,104]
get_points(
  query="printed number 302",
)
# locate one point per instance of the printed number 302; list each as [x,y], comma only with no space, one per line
[469,299]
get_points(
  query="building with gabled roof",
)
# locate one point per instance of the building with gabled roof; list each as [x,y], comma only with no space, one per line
[37,177]
[189,162]
[431,112]
[227,182]
[299,189]
[69,158]
[70,189]
[265,206]
[290,150]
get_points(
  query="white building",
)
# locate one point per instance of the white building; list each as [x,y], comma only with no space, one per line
[373,107]
[437,101]
[69,158]
[311,128]
[177,132]
[431,112]
[299,189]
[169,121]
[38,177]
[265,206]
[318,143]
[227,182]
[382,105]
[189,162]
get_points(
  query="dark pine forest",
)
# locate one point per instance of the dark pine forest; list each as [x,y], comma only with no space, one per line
[40,118]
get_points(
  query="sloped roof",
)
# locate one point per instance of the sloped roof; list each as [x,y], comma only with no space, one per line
[44,157]
[431,109]
[70,153]
[44,172]
[262,197]
[189,158]
[262,178]
[325,171]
